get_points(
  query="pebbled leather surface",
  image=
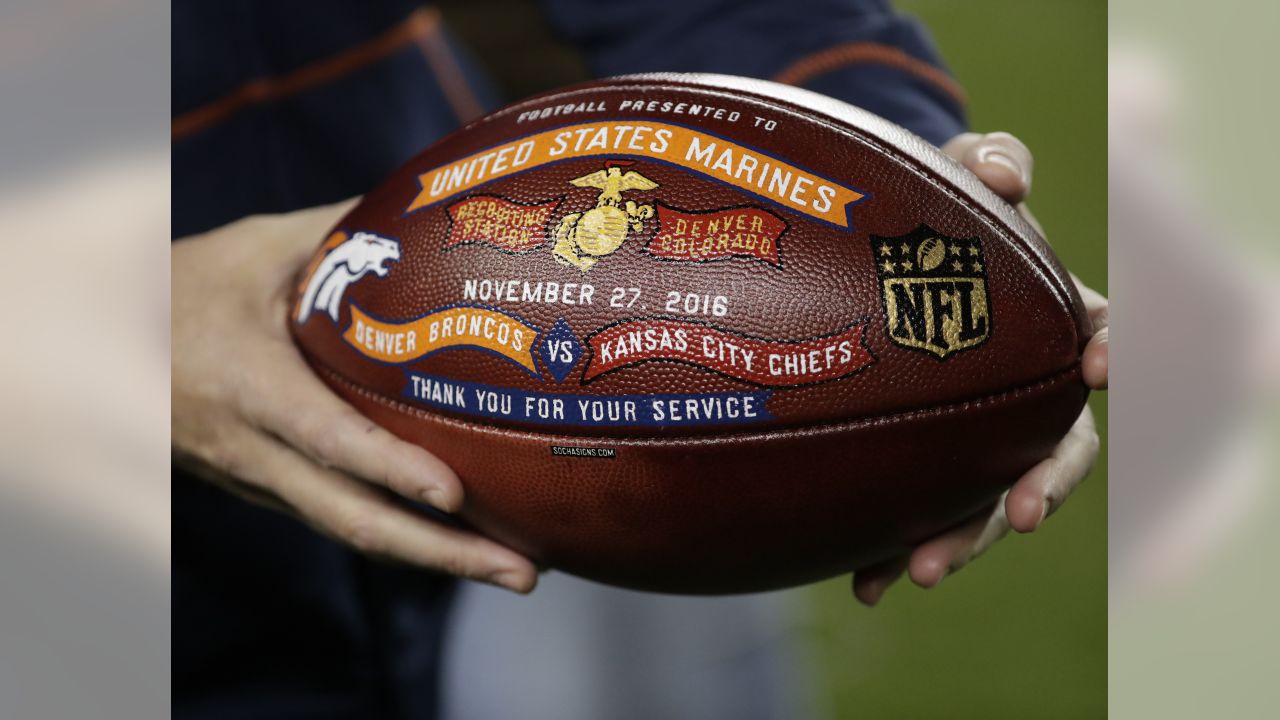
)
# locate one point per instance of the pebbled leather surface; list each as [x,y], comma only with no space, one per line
[844,470]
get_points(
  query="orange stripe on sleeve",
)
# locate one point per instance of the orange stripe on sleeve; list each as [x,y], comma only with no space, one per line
[435,48]
[834,58]
[420,24]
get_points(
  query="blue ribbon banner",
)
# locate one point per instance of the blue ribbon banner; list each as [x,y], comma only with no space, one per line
[499,403]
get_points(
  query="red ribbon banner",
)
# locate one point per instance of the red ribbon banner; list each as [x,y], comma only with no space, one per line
[772,363]
[499,222]
[735,232]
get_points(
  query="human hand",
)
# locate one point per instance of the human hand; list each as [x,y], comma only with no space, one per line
[250,415]
[1004,164]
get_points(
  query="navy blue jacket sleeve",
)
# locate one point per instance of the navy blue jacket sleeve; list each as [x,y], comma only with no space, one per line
[859,51]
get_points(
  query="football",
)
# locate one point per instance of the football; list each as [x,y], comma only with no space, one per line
[698,333]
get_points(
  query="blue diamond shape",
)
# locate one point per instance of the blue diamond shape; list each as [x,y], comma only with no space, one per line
[560,350]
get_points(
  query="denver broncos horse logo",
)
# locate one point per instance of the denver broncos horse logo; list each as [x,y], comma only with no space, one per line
[346,263]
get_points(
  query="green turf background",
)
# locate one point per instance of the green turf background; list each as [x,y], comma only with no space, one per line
[1022,632]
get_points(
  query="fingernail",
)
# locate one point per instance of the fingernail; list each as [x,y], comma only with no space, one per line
[1044,513]
[873,592]
[997,156]
[941,571]
[879,592]
[508,580]
[434,497]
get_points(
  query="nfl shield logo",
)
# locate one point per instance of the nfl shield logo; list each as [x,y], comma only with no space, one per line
[934,290]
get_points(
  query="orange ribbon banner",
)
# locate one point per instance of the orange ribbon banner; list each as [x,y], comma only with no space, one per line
[757,173]
[402,342]
[499,222]
[699,237]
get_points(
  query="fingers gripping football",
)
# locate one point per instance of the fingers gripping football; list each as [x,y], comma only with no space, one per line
[249,415]
[1004,164]
[1045,487]
[311,419]
[1096,355]
[999,159]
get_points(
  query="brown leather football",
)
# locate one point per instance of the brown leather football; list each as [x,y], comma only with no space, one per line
[699,334]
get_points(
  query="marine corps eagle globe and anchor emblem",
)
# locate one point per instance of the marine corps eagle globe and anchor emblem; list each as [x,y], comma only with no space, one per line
[583,238]
[934,291]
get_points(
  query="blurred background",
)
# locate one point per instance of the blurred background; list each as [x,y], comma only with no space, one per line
[1194,517]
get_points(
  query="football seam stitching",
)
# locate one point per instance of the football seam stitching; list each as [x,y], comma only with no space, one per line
[816,428]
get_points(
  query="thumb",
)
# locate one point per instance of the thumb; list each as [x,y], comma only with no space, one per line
[1000,160]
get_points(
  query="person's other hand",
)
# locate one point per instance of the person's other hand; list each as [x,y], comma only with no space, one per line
[1004,164]
[250,415]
